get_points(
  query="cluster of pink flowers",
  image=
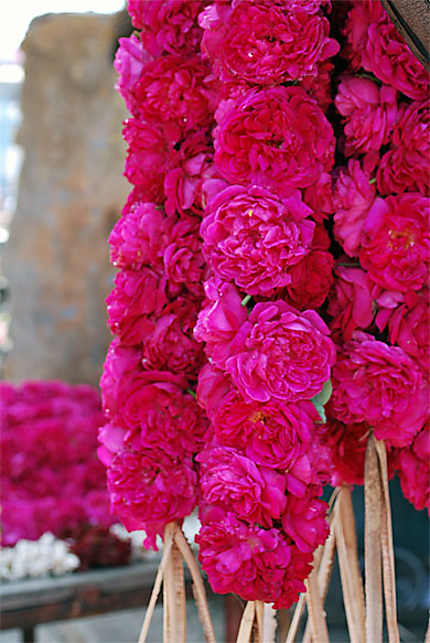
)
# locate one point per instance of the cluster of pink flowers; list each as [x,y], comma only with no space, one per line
[51,478]
[379,303]
[243,252]
[155,426]
[269,351]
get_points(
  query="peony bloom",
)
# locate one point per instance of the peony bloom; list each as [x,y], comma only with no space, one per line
[266,42]
[184,266]
[395,242]
[148,489]
[387,55]
[414,470]
[170,344]
[220,319]
[281,353]
[172,93]
[361,15]
[255,563]
[168,25]
[347,444]
[304,520]
[380,385]
[252,237]
[353,197]
[183,183]
[212,385]
[233,482]
[130,61]
[319,197]
[277,138]
[149,157]
[119,363]
[404,168]
[136,295]
[319,87]
[370,113]
[311,280]
[155,410]
[408,327]
[139,236]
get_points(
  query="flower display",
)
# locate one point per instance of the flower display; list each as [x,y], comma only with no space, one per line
[274,247]
[51,478]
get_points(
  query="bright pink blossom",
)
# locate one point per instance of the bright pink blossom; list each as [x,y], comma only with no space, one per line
[414,470]
[395,244]
[281,353]
[139,236]
[353,197]
[277,138]
[380,385]
[252,237]
[168,25]
[148,489]
[235,483]
[405,167]
[136,295]
[311,280]
[408,327]
[255,563]
[184,266]
[369,112]
[264,42]
[304,520]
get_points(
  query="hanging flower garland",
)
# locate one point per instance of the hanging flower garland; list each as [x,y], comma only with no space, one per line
[274,246]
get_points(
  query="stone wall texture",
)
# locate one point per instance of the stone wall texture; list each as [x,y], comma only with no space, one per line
[71,192]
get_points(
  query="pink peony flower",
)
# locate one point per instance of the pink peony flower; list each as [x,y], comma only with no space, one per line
[404,168]
[395,242]
[319,87]
[319,197]
[139,236]
[408,327]
[347,445]
[235,483]
[351,301]
[220,319]
[277,138]
[254,563]
[130,61]
[156,411]
[414,470]
[266,43]
[119,363]
[380,385]
[184,266]
[353,197]
[304,520]
[168,25]
[212,385]
[281,353]
[311,280]
[252,238]
[149,157]
[172,94]
[370,113]
[170,344]
[148,489]
[136,295]
[183,183]
[387,55]
[360,17]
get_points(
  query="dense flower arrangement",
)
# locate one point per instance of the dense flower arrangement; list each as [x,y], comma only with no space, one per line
[274,243]
[51,478]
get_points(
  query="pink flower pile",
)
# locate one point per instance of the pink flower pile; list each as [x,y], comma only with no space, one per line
[51,479]
[244,254]
[379,304]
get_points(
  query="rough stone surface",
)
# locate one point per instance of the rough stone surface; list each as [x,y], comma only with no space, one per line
[71,192]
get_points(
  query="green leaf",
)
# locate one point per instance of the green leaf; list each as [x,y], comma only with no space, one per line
[322,398]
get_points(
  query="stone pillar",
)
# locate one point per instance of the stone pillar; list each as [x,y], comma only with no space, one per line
[71,192]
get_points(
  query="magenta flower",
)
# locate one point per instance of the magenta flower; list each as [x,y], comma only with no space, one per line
[252,238]
[266,43]
[380,385]
[395,245]
[277,138]
[281,353]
